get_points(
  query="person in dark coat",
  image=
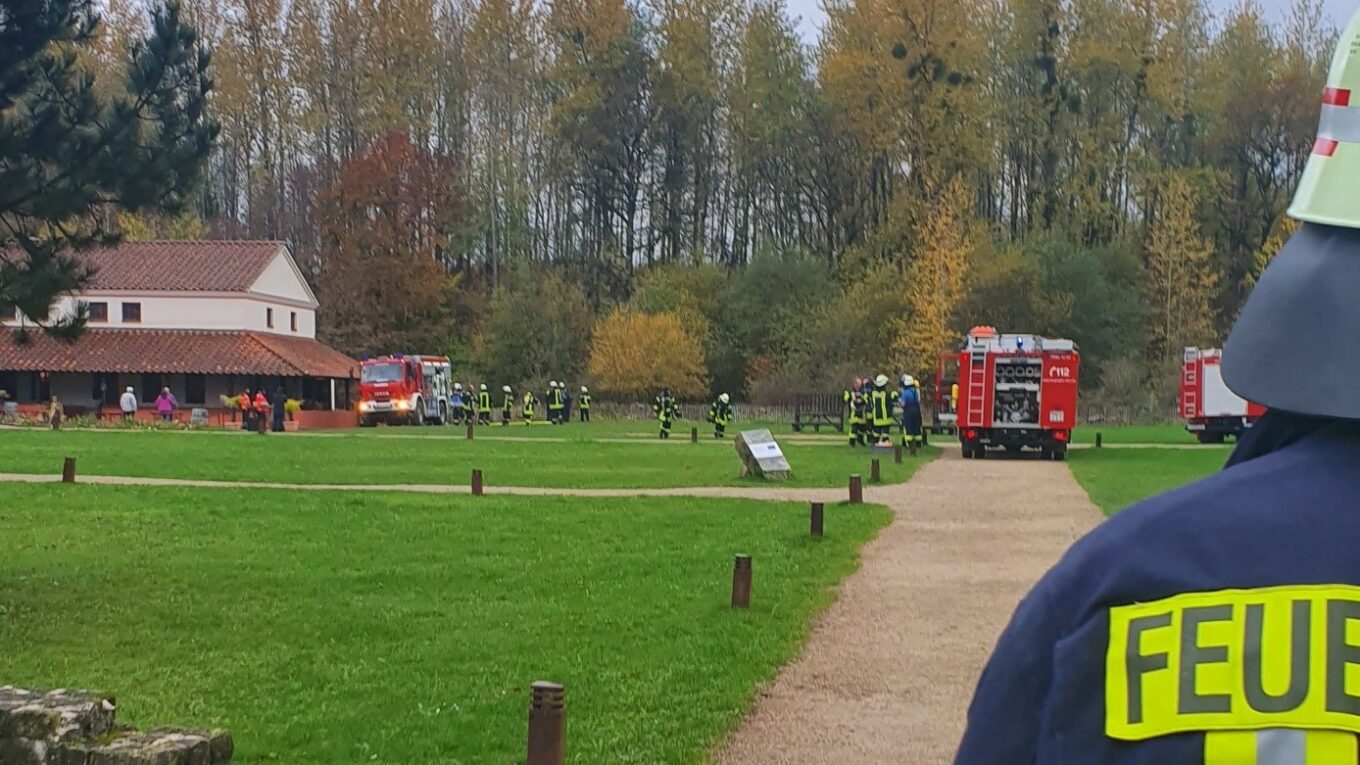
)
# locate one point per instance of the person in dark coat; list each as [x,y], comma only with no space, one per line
[280,398]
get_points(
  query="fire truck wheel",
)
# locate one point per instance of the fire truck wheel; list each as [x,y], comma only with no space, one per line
[1211,438]
[443,414]
[1060,454]
[980,452]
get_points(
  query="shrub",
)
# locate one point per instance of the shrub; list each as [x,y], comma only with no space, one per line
[634,353]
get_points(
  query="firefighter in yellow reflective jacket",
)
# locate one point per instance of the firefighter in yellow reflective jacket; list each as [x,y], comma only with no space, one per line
[483,405]
[584,406]
[530,401]
[854,406]
[556,404]
[720,414]
[881,409]
[507,405]
[666,411]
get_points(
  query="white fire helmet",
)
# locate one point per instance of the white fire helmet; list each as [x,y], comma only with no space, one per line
[483,386]
[584,389]
[881,381]
[505,388]
[1327,190]
[908,381]
[457,386]
[724,398]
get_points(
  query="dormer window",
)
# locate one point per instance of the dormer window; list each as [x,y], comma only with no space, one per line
[99,313]
[132,313]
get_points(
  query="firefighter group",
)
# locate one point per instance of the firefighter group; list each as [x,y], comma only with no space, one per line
[469,408]
[872,410]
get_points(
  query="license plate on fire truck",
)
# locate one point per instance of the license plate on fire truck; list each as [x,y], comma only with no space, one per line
[381,406]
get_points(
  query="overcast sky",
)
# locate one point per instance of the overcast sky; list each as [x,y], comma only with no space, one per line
[1340,10]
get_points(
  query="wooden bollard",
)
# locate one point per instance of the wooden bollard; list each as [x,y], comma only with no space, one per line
[68,470]
[1100,440]
[476,483]
[913,448]
[471,431]
[897,454]
[741,582]
[547,724]
[856,489]
[694,435]
[818,518]
[875,471]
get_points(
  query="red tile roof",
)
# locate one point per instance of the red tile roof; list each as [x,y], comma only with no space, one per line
[167,351]
[203,266]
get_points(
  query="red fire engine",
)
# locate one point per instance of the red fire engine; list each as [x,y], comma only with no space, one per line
[1016,392]
[404,390]
[1211,411]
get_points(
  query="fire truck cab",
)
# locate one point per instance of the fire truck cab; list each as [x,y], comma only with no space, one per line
[405,390]
[1016,392]
[1211,411]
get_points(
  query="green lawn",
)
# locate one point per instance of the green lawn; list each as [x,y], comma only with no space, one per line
[1173,433]
[369,628]
[579,431]
[1116,478]
[388,458]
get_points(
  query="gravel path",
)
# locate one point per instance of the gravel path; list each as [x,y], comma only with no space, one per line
[889,670]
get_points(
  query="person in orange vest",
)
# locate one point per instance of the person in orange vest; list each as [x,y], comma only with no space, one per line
[243,403]
[261,409]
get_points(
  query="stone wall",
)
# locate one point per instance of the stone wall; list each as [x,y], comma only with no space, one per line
[79,728]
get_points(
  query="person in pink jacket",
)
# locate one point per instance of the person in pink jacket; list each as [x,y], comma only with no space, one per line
[165,405]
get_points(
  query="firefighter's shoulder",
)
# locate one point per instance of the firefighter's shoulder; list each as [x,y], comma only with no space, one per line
[1218,531]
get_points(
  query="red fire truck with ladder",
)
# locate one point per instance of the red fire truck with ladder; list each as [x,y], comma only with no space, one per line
[405,390]
[1211,411]
[1017,392]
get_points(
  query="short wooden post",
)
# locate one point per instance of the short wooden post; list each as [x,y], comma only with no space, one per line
[818,517]
[68,470]
[471,431]
[913,448]
[1100,440]
[875,472]
[856,489]
[741,582]
[476,483]
[694,435]
[897,454]
[547,724]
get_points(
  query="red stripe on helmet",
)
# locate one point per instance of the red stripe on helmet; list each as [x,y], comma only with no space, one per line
[1336,97]
[1325,147]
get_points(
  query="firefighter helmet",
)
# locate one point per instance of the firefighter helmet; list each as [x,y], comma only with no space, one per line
[1326,192]
[881,381]
[483,386]
[584,389]
[1302,313]
[724,398]
[457,386]
[505,388]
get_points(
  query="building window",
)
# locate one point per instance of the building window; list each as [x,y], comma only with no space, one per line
[132,313]
[9,383]
[269,317]
[8,312]
[40,386]
[195,389]
[151,388]
[292,319]
[99,312]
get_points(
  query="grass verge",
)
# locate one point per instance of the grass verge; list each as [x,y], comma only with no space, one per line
[345,628]
[366,460]
[1117,478]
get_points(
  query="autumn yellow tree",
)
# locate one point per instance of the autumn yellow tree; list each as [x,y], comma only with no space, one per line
[634,354]
[935,280]
[1180,279]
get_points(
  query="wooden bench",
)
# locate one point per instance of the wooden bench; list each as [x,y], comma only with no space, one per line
[813,410]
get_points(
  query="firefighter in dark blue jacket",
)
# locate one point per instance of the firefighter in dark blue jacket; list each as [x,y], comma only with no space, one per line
[1218,624]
